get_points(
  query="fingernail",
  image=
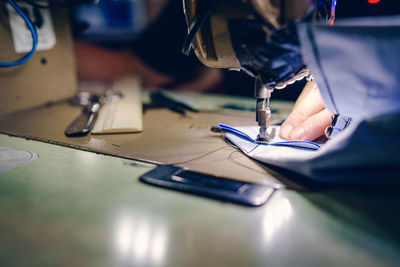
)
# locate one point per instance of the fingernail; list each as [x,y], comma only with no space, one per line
[298,134]
[286,129]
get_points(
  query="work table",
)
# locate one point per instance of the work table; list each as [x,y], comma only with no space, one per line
[76,208]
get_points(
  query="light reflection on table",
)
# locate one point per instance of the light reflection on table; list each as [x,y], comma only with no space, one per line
[277,213]
[140,238]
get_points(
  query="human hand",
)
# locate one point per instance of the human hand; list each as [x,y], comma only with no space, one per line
[309,118]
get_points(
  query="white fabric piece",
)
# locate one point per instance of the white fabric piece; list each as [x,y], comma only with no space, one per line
[364,153]
[283,156]
[251,133]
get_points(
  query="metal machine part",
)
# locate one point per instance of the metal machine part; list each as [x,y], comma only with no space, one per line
[82,125]
[91,104]
[263,112]
[256,36]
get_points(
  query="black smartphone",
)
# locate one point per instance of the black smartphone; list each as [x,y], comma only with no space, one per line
[181,179]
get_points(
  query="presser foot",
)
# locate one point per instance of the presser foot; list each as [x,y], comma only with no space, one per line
[264,137]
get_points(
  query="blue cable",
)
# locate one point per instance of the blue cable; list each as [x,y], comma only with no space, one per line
[32,29]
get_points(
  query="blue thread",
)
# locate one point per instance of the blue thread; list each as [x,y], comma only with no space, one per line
[32,29]
[236,131]
[295,144]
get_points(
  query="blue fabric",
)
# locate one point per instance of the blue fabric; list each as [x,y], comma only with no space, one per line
[341,123]
[356,65]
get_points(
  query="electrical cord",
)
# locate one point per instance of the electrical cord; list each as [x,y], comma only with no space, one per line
[32,29]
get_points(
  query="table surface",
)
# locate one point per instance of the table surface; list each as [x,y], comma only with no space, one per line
[76,208]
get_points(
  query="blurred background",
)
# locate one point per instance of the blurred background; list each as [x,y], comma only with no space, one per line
[144,37]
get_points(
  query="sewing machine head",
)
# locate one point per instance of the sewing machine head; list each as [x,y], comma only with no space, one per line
[217,29]
[255,36]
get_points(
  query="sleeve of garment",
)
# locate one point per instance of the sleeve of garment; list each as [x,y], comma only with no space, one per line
[159,46]
[356,65]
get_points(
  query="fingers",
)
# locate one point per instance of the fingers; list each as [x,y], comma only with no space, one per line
[308,104]
[307,88]
[313,127]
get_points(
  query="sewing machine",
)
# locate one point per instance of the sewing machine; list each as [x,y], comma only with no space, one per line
[255,36]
